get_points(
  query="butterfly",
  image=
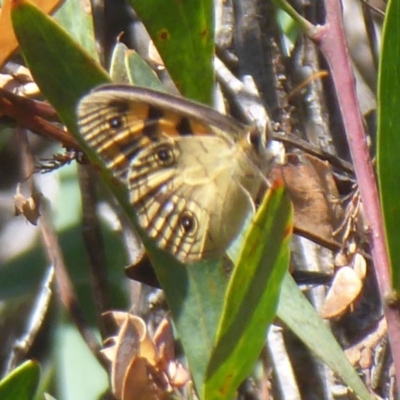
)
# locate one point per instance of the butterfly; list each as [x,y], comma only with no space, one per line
[191,172]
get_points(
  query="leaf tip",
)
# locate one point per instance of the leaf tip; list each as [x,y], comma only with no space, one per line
[16,3]
[277,183]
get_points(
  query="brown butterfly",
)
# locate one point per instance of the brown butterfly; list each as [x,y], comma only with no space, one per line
[192,173]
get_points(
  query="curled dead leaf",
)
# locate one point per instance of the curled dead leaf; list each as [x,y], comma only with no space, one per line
[140,365]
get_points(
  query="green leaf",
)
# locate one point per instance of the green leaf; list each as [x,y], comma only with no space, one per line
[76,364]
[183,33]
[21,383]
[299,315]
[23,274]
[140,73]
[252,296]
[388,145]
[79,23]
[118,71]
[195,297]
[129,68]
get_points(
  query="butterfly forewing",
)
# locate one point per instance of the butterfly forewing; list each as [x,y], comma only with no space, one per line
[118,125]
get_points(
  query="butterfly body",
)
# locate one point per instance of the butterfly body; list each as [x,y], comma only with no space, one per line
[191,172]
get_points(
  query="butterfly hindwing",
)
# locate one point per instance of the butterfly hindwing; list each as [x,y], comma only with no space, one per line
[191,200]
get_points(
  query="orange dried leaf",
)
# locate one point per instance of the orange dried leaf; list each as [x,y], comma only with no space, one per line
[8,41]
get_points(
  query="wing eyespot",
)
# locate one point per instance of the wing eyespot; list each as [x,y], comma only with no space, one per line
[188,223]
[165,156]
[115,122]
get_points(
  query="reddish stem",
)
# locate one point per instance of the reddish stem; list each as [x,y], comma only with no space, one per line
[332,42]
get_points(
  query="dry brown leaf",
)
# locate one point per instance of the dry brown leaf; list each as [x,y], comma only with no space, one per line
[141,270]
[125,351]
[138,385]
[315,198]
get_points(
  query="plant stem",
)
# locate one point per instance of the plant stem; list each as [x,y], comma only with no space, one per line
[332,42]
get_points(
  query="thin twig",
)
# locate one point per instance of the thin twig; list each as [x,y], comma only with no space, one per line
[94,244]
[56,259]
[36,116]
